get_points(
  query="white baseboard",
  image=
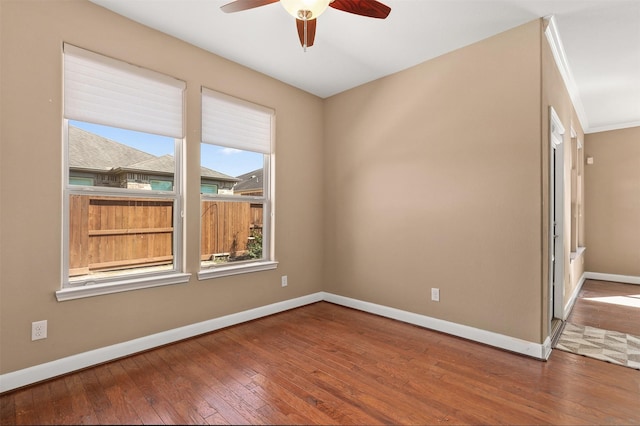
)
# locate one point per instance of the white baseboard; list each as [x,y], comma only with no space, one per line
[626,279]
[535,350]
[48,370]
[41,372]
[573,298]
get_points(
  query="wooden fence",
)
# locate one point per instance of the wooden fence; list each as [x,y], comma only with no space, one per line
[226,227]
[110,233]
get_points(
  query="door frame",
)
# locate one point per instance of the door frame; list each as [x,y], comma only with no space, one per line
[556,217]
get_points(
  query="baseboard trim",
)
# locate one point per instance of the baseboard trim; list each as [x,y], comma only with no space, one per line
[626,279]
[573,298]
[49,370]
[512,344]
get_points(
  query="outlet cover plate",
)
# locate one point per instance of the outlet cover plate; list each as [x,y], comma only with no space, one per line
[39,330]
[435,294]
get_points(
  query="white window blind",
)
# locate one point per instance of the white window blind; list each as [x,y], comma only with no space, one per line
[234,123]
[102,90]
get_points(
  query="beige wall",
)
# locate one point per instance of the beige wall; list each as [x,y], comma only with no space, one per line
[32,33]
[612,202]
[433,179]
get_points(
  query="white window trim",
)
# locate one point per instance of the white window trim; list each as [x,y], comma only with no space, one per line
[137,280]
[268,261]
[239,268]
[159,110]
[119,286]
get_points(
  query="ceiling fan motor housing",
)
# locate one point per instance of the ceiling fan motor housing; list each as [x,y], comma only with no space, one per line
[305,9]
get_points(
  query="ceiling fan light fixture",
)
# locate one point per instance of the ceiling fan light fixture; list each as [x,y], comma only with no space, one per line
[305,9]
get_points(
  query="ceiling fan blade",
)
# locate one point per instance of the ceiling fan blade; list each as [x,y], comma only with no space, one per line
[370,8]
[239,5]
[311,31]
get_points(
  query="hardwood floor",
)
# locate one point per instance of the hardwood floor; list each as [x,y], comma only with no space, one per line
[609,306]
[326,364]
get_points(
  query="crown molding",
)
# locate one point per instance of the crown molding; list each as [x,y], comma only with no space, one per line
[613,127]
[553,37]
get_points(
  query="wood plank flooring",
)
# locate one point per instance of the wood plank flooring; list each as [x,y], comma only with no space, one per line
[609,306]
[326,364]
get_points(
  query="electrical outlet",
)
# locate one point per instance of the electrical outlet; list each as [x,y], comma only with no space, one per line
[284,281]
[39,330]
[435,294]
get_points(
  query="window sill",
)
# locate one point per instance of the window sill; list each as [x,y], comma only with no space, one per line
[224,271]
[576,254]
[120,286]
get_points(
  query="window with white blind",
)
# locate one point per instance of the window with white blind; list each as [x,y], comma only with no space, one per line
[123,142]
[236,221]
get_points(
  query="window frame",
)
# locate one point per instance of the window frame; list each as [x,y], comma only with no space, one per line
[93,286]
[138,278]
[267,262]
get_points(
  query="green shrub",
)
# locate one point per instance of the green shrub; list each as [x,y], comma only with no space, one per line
[254,246]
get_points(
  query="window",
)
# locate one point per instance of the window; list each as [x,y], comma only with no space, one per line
[236,158]
[208,189]
[577,195]
[123,137]
[77,180]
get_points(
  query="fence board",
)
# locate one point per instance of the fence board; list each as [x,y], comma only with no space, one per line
[79,235]
[227,226]
[108,233]
[114,233]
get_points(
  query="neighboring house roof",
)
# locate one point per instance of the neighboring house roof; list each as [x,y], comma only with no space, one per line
[93,152]
[212,174]
[251,181]
[163,165]
[89,151]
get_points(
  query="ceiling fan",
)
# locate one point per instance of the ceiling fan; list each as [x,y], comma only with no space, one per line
[306,12]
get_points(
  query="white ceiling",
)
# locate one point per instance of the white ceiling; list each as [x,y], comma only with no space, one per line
[600,40]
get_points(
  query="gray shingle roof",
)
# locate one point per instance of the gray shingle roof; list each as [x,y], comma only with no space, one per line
[164,164]
[88,151]
[252,181]
[93,152]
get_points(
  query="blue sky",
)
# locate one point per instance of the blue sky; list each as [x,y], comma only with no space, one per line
[229,161]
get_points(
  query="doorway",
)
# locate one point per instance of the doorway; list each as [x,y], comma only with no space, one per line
[556,223]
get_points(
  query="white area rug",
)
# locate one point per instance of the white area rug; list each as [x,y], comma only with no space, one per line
[611,346]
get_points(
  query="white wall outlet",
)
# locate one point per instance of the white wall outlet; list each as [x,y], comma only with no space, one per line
[435,294]
[284,281]
[39,330]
